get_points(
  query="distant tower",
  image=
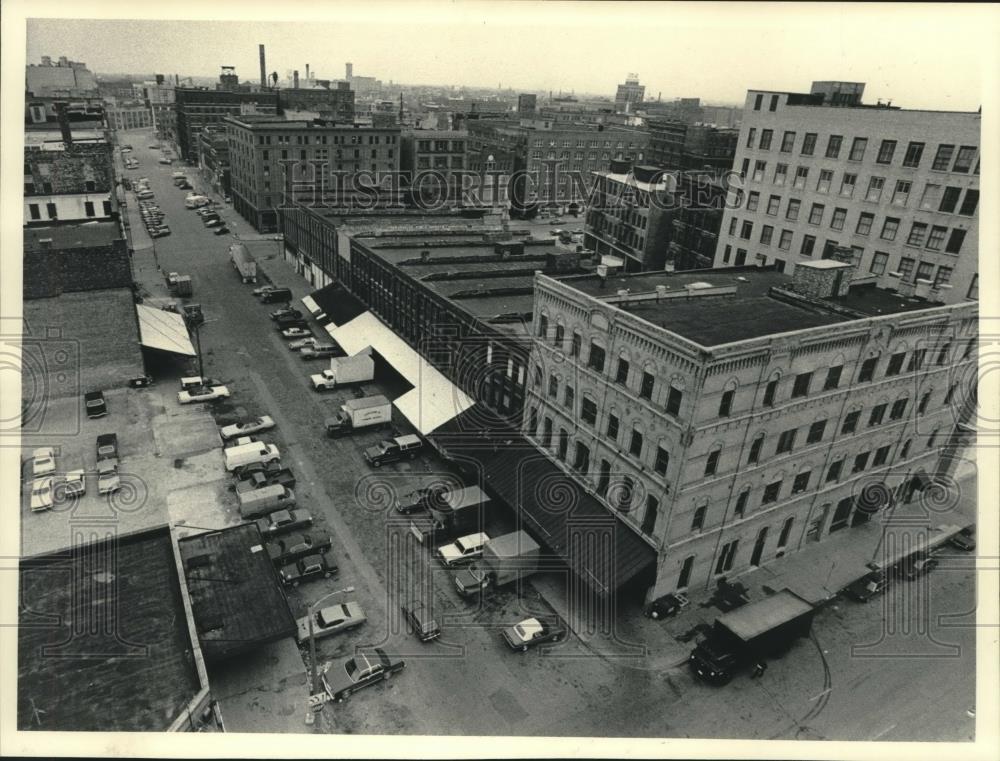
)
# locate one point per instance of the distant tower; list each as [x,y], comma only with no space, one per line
[400,109]
[263,68]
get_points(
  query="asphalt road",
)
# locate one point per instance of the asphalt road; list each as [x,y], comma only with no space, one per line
[467,682]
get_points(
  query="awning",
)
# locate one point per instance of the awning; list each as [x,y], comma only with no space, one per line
[433,401]
[596,544]
[163,330]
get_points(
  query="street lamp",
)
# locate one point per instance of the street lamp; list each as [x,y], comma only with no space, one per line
[197,337]
[312,637]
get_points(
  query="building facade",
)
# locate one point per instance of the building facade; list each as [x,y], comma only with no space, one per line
[213,158]
[68,183]
[695,220]
[126,116]
[438,150]
[732,418]
[709,148]
[629,94]
[196,108]
[900,188]
[336,103]
[666,143]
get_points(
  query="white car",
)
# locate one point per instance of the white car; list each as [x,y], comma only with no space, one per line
[43,461]
[202,395]
[462,549]
[302,343]
[45,492]
[330,620]
[41,493]
[295,333]
[108,482]
[263,423]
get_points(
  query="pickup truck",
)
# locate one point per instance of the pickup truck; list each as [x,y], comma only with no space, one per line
[258,480]
[321,565]
[294,546]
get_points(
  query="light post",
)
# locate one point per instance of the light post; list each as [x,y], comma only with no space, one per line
[314,675]
[197,338]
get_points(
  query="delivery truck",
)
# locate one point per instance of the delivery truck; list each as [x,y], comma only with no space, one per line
[244,262]
[368,412]
[344,371]
[747,636]
[505,559]
[182,286]
[451,514]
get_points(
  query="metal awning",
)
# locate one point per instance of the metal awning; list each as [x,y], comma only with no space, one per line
[163,330]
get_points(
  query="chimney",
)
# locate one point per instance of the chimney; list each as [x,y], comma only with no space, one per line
[64,128]
[177,80]
[263,69]
[349,71]
[824,279]
[295,79]
[307,73]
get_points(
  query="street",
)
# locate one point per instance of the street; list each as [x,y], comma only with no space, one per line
[910,687]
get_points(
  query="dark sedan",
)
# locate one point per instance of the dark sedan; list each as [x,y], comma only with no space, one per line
[368,666]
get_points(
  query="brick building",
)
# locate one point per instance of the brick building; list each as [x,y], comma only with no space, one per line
[695,219]
[196,108]
[666,143]
[438,150]
[331,103]
[731,417]
[68,181]
[820,169]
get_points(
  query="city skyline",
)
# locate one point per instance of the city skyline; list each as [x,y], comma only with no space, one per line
[767,57]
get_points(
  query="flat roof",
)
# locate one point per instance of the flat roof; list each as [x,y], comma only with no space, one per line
[103,640]
[757,617]
[237,600]
[85,235]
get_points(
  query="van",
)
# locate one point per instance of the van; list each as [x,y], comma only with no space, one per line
[245,454]
[265,500]
[278,294]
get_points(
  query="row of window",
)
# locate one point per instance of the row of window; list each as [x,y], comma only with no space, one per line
[947,158]
[322,154]
[349,139]
[35,212]
[441,146]
[540,143]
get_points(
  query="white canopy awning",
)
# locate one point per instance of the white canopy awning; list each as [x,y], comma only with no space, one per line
[434,400]
[163,330]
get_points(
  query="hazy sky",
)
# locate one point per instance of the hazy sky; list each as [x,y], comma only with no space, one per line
[920,56]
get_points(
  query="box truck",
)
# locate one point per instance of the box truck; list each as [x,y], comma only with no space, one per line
[750,634]
[505,558]
[369,412]
[451,514]
[244,262]
[344,371]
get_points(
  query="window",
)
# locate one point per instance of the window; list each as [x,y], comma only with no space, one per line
[929,199]
[917,234]
[808,245]
[801,482]
[50,209]
[943,158]
[686,566]
[581,462]
[746,230]
[906,267]
[786,441]
[801,386]
[726,404]
[712,463]
[969,203]
[816,214]
[780,173]
[568,397]
[559,336]
[875,185]
[792,213]
[741,257]
[755,448]
[563,444]
[885,151]
[808,144]
[662,461]
[955,241]
[771,492]
[924,271]
[786,530]
[850,422]
[834,472]
[574,349]
[773,203]
[858,149]
[765,139]
[833,146]
[674,401]
[547,432]
[867,370]
[741,503]
[621,374]
[877,413]
[916,360]
[816,431]
[865,220]
[895,364]
[750,136]
[860,462]
[34,211]
[769,392]
[588,410]
[753,199]
[825,180]
[612,430]
[963,161]
[787,142]
[766,233]
[839,217]
[932,439]
[877,267]
[746,167]
[758,170]
[595,359]
[727,254]
[646,387]
[901,195]
[698,522]
[973,292]
[635,444]
[889,228]
[905,451]
[949,200]
[785,242]
[801,175]
[842,514]
[732,225]
[881,455]
[914,151]
[898,409]
[847,184]
[543,326]
[951,393]
[943,276]
[88,208]
[728,552]
[107,208]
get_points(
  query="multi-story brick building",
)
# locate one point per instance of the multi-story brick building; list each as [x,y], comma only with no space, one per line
[196,108]
[213,157]
[899,187]
[335,103]
[709,148]
[696,218]
[438,150]
[127,116]
[733,416]
[666,143]
[270,156]
[630,93]
[68,179]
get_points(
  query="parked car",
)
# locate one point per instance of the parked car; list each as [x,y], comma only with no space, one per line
[918,566]
[41,497]
[243,472]
[391,450]
[277,314]
[331,620]
[282,521]
[214,222]
[320,351]
[463,549]
[47,491]
[265,289]
[194,381]
[294,546]
[258,424]
[107,448]
[301,343]
[159,233]
[70,485]
[43,461]
[95,405]
[239,441]
[202,395]
[663,607]
[318,565]
[418,499]
[295,332]
[867,587]
[280,477]
[221,230]
[368,666]
[421,622]
[964,540]
[108,482]
[532,632]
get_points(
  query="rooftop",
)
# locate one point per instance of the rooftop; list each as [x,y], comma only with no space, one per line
[86,235]
[103,640]
[720,306]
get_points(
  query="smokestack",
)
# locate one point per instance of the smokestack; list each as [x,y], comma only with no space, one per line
[177,80]
[349,70]
[67,133]
[295,79]
[307,73]
[263,70]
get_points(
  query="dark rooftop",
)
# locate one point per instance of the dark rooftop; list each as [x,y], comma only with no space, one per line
[103,639]
[237,600]
[86,235]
